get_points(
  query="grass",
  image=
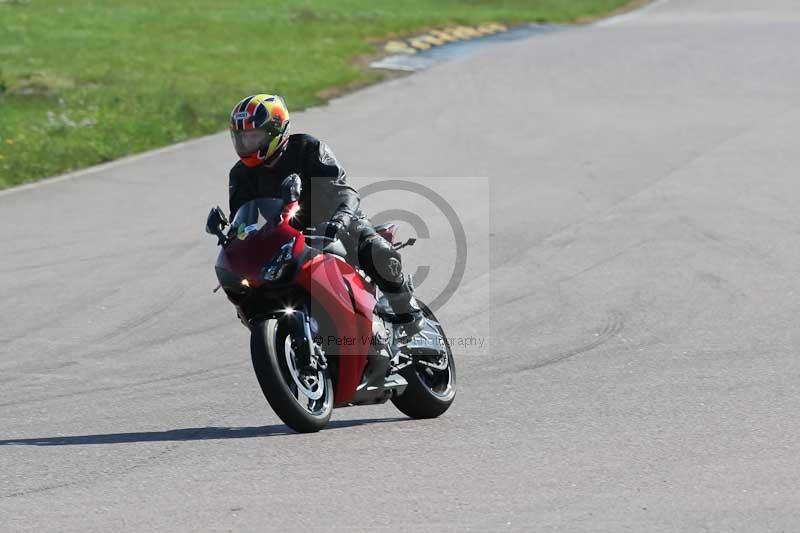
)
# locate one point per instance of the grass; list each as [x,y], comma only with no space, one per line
[88,81]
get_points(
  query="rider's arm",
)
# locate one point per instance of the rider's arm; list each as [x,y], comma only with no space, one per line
[238,192]
[329,175]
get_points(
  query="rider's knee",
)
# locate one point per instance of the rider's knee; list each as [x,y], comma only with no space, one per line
[381,262]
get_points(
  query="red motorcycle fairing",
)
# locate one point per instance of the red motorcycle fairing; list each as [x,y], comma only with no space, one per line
[247,257]
[349,301]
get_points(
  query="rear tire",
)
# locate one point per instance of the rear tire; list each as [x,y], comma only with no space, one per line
[428,395]
[267,349]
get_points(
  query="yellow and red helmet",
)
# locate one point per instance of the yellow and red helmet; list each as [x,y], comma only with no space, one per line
[260,129]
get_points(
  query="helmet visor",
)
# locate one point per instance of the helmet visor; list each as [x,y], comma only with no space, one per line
[247,142]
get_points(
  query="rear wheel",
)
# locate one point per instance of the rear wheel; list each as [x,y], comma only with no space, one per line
[303,400]
[431,378]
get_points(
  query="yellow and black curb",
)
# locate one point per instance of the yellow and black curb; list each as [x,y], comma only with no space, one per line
[435,46]
[438,37]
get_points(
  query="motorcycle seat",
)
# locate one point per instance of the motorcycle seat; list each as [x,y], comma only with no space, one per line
[388,231]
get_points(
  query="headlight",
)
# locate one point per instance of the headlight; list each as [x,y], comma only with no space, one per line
[233,284]
[276,268]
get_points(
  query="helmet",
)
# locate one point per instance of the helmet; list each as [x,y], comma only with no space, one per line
[260,129]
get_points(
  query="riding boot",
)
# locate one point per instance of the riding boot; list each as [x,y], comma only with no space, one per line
[384,266]
[406,310]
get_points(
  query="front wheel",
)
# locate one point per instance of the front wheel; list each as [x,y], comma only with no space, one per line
[303,401]
[431,380]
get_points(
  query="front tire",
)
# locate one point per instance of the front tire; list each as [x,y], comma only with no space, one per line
[430,392]
[303,403]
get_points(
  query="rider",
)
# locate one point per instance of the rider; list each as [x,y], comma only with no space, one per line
[268,154]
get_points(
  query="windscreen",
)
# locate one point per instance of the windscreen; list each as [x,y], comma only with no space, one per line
[256,214]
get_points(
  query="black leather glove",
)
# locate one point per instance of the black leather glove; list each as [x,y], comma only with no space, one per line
[291,188]
[332,229]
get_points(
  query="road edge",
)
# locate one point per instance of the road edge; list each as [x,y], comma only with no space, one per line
[24,187]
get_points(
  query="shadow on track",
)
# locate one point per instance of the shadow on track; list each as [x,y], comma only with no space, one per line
[186,434]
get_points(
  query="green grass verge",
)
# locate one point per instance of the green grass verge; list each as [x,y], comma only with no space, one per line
[83,82]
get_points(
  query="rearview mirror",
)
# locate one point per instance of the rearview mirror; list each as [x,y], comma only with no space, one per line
[215,222]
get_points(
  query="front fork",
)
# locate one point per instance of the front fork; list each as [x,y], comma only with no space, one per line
[309,353]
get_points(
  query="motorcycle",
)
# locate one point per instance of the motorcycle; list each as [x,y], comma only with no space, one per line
[320,335]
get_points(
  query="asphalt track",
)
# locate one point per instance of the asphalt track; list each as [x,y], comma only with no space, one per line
[637,245]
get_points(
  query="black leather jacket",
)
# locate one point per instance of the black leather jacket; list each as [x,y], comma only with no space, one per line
[325,196]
